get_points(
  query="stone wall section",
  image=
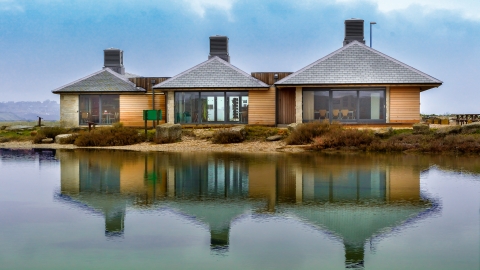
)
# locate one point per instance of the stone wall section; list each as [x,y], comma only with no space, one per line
[69,110]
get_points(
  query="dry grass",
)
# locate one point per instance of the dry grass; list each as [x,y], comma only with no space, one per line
[110,136]
[225,136]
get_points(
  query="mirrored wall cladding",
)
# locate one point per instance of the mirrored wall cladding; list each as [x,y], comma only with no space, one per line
[344,105]
[99,109]
[211,107]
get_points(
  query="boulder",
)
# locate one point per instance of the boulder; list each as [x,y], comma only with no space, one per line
[203,134]
[47,140]
[421,128]
[384,132]
[168,133]
[293,126]
[443,131]
[60,137]
[241,130]
[274,138]
[19,127]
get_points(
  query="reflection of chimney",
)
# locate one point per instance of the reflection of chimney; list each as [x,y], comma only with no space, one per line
[354,256]
[219,239]
[219,47]
[114,222]
[353,31]
[113,59]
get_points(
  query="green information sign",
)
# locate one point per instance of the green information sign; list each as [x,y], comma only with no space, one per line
[152,115]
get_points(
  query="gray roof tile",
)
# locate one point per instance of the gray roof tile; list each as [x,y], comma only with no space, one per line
[213,73]
[105,80]
[356,63]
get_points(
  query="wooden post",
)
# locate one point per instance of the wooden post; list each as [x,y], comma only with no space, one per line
[39,121]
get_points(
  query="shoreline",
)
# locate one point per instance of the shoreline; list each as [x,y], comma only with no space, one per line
[186,145]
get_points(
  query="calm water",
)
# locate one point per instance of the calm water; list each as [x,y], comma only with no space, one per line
[84,209]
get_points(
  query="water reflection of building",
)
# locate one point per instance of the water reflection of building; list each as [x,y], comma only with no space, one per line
[353,198]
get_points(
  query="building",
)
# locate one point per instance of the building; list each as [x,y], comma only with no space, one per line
[354,84]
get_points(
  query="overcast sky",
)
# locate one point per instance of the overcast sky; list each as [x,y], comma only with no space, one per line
[45,44]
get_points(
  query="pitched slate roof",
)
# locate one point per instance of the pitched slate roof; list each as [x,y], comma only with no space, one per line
[356,63]
[213,73]
[105,80]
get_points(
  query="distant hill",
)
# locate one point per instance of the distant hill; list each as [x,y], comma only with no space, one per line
[29,110]
[6,116]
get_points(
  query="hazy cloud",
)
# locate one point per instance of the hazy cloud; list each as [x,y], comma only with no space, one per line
[10,5]
[201,6]
[469,9]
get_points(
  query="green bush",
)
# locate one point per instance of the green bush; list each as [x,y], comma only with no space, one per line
[225,136]
[305,133]
[110,136]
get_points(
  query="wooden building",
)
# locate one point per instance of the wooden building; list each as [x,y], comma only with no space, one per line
[353,85]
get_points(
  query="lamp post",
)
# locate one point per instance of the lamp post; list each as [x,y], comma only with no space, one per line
[371,32]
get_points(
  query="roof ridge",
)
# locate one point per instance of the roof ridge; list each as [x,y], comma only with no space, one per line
[318,61]
[79,80]
[401,63]
[185,72]
[353,43]
[215,58]
[120,76]
[241,71]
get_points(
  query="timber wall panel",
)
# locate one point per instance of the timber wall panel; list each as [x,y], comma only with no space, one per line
[404,104]
[132,106]
[268,77]
[286,106]
[261,107]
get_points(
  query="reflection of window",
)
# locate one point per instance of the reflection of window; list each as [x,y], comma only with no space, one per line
[100,109]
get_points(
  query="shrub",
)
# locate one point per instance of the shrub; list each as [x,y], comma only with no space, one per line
[224,136]
[48,132]
[110,136]
[69,140]
[305,133]
[339,138]
[259,133]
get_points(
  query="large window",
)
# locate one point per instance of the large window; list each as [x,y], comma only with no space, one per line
[344,105]
[100,109]
[211,107]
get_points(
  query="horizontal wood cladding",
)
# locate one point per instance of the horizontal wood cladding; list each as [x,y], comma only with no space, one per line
[132,106]
[269,77]
[261,107]
[146,82]
[404,104]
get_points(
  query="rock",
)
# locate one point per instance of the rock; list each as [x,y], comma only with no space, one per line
[203,134]
[274,138]
[421,128]
[293,126]
[47,140]
[240,129]
[19,127]
[384,132]
[471,128]
[443,131]
[168,133]
[60,137]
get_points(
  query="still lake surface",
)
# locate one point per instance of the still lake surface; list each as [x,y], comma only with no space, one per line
[99,209]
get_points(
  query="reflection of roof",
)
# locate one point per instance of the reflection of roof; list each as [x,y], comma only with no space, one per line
[105,80]
[356,223]
[356,63]
[213,73]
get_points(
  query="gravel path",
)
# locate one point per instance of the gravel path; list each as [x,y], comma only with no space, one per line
[186,145]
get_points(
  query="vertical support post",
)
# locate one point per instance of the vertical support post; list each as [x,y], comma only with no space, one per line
[39,121]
